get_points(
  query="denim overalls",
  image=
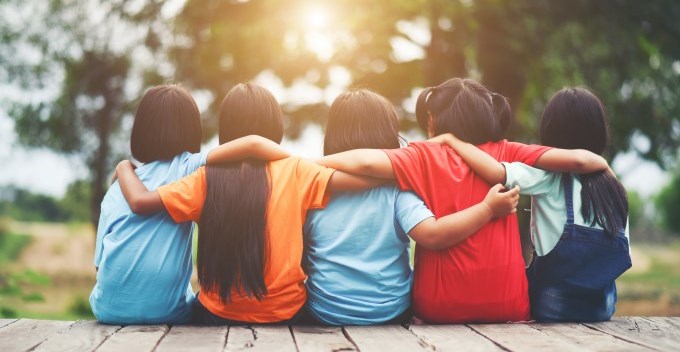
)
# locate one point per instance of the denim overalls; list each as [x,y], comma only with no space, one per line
[575,281]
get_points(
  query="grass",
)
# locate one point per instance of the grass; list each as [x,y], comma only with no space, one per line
[11,246]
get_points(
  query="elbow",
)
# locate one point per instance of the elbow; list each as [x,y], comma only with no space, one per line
[587,162]
[432,243]
[137,206]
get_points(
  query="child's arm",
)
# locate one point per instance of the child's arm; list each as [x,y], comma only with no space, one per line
[578,161]
[480,162]
[366,162]
[436,234]
[558,160]
[140,199]
[253,146]
[342,181]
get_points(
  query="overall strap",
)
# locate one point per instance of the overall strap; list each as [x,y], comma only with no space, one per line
[568,183]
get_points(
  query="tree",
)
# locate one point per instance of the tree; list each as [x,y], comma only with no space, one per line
[668,204]
[524,49]
[75,44]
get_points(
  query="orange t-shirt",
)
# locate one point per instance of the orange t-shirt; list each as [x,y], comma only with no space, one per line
[296,186]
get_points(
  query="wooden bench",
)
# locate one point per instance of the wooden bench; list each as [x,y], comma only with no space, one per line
[620,334]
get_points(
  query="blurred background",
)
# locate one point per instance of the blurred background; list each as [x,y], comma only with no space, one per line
[72,72]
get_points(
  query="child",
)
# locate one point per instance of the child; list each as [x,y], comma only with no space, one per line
[250,216]
[145,262]
[579,222]
[357,248]
[481,279]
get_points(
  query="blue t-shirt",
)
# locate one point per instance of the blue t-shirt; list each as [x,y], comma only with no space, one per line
[357,256]
[145,262]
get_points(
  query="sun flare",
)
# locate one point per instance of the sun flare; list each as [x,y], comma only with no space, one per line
[317,17]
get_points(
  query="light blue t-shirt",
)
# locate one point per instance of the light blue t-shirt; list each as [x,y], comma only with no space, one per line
[357,256]
[548,209]
[145,262]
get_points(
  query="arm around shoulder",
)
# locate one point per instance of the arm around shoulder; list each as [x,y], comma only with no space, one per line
[140,199]
[578,161]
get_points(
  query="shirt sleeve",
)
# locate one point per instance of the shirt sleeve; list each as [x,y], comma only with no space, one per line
[313,183]
[195,160]
[531,181]
[524,153]
[407,166]
[410,210]
[184,199]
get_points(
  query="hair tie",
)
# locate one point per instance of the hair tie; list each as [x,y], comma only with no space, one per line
[427,97]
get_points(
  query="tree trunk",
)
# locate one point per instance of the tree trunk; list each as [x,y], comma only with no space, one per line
[99,163]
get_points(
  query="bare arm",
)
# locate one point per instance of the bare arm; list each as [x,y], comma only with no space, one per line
[579,161]
[559,160]
[140,199]
[342,181]
[252,146]
[436,234]
[366,162]
[480,162]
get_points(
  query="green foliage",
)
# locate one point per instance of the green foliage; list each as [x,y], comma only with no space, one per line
[20,204]
[636,208]
[11,246]
[80,308]
[11,285]
[668,204]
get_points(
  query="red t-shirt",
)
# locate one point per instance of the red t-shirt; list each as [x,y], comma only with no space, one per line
[481,279]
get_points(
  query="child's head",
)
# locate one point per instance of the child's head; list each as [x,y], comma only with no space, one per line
[250,109]
[361,119]
[575,118]
[465,108]
[167,123]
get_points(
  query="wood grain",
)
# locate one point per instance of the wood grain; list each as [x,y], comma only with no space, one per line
[134,338]
[321,338]
[26,334]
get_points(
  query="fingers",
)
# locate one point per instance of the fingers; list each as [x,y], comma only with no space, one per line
[498,188]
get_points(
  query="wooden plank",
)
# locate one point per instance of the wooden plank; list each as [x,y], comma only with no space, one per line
[588,338]
[81,336]
[5,322]
[25,334]
[260,338]
[134,338]
[522,337]
[194,338]
[453,338]
[651,333]
[321,338]
[672,321]
[384,338]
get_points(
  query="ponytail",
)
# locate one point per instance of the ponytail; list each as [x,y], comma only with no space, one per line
[465,108]
[501,108]
[605,201]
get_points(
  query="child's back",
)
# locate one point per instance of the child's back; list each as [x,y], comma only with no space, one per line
[575,265]
[357,256]
[481,279]
[144,262]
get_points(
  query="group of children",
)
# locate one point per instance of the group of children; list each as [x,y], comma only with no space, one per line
[284,240]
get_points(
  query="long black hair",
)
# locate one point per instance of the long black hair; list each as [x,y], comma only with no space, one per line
[575,118]
[466,108]
[232,243]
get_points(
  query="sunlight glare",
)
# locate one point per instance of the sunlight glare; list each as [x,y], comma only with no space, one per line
[317,17]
